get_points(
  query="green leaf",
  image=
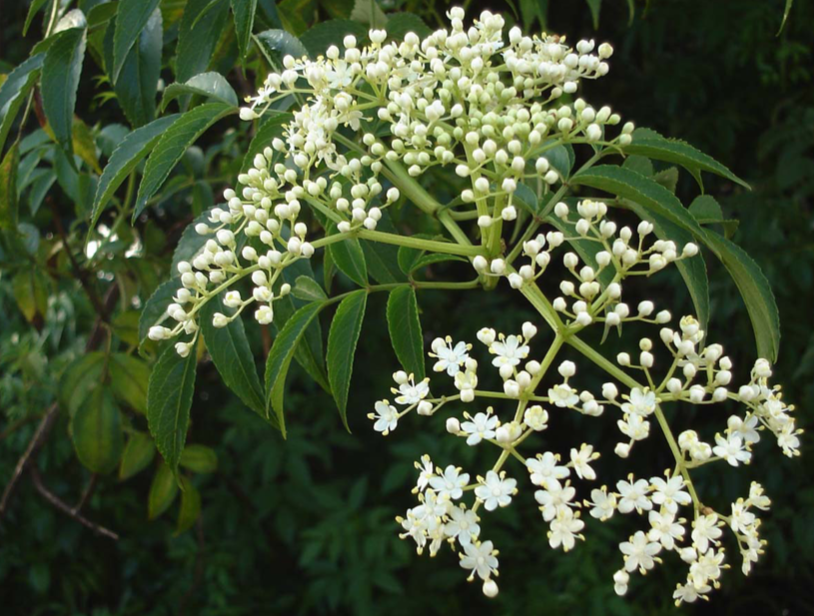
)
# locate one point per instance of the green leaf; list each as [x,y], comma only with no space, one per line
[169,398]
[60,79]
[755,291]
[692,270]
[155,309]
[786,11]
[350,259]
[199,459]
[342,340]
[84,144]
[407,257]
[435,257]
[382,261]
[707,211]
[404,326]
[309,352]
[229,348]
[137,82]
[79,379]
[399,24]
[244,11]
[532,10]
[162,492]
[630,185]
[668,178]
[9,201]
[276,44]
[281,354]
[138,454]
[14,90]
[271,127]
[705,208]
[211,85]
[525,197]
[562,158]
[368,12]
[172,145]
[308,289]
[332,32]
[639,164]
[197,38]
[125,158]
[131,18]
[649,143]
[35,7]
[190,506]
[595,6]
[129,377]
[30,289]
[96,431]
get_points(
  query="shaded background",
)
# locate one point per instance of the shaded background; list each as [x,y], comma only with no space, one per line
[307,526]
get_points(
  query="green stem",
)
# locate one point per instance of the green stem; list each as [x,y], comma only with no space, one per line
[419,243]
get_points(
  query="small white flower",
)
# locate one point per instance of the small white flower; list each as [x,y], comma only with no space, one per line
[731,449]
[706,530]
[450,358]
[581,459]
[496,490]
[554,499]
[544,467]
[564,530]
[689,592]
[757,498]
[386,416]
[450,483]
[633,495]
[640,553]
[480,559]
[746,429]
[563,395]
[509,351]
[670,493]
[665,529]
[536,418]
[482,426]
[602,504]
[463,525]
[707,567]
[742,520]
[412,392]
[640,402]
[426,472]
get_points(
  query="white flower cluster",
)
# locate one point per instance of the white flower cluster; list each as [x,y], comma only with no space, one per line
[440,516]
[620,253]
[460,97]
[443,516]
[703,376]
[258,236]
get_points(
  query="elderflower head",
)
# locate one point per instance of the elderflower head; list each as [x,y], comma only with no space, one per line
[488,107]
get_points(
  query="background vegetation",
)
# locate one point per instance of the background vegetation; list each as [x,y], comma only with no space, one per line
[306,525]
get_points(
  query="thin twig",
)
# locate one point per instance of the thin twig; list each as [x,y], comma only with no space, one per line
[52,498]
[86,493]
[48,420]
[36,443]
